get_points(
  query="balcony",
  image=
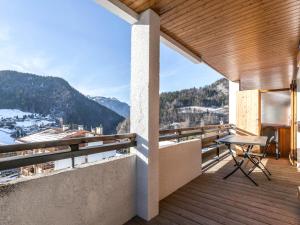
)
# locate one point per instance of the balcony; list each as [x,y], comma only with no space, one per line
[176,176]
[208,199]
[69,191]
[191,185]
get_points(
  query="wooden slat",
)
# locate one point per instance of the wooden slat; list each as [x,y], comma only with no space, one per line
[284,143]
[22,161]
[208,18]
[209,199]
[205,128]
[248,111]
[252,41]
[66,142]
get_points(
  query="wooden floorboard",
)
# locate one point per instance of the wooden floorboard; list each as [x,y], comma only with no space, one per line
[210,200]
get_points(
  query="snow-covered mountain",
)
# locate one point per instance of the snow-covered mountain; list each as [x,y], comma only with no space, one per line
[114,104]
[199,109]
[11,113]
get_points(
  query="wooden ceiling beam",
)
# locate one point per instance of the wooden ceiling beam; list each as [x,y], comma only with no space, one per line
[170,42]
[120,9]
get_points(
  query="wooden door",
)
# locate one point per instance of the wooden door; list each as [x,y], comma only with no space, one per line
[284,141]
[249,111]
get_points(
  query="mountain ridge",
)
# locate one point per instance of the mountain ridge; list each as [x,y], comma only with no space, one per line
[54,96]
[122,108]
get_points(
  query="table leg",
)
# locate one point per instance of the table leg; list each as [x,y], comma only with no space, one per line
[277,152]
[238,166]
[256,164]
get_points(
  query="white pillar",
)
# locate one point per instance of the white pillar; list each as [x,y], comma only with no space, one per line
[144,116]
[234,87]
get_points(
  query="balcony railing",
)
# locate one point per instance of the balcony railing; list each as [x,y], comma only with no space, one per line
[74,149]
[211,151]
[75,146]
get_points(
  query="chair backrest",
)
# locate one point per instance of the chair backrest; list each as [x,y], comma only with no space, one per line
[269,132]
[268,146]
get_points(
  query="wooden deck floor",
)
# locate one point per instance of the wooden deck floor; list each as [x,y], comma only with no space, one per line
[211,200]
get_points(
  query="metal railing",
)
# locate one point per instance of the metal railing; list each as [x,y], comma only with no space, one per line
[211,151]
[74,147]
[171,134]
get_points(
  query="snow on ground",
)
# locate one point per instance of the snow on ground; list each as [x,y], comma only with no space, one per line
[6,130]
[11,177]
[5,138]
[192,109]
[10,113]
[67,163]
[32,122]
[15,116]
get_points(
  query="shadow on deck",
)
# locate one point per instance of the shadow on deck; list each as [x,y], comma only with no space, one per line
[211,200]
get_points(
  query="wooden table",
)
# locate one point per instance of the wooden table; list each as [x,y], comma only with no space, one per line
[248,141]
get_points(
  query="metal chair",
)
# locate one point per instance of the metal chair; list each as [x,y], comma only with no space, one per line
[256,159]
[269,132]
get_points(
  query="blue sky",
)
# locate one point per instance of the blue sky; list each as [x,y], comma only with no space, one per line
[84,44]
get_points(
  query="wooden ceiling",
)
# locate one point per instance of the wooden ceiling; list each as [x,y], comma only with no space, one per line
[254,41]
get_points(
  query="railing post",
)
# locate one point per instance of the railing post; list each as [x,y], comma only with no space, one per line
[178,133]
[218,148]
[74,148]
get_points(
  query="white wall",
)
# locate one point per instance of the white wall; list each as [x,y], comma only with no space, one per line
[179,163]
[101,193]
[234,87]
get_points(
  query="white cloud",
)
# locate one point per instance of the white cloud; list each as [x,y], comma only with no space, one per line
[35,64]
[12,58]
[107,91]
[15,56]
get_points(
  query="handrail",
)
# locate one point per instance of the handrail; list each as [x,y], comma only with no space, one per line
[21,161]
[120,142]
[64,142]
[208,134]
[171,134]
[206,127]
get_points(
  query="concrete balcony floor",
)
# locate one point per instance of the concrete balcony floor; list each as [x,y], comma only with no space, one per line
[211,200]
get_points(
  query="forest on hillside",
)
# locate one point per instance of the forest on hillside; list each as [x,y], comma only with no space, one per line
[190,107]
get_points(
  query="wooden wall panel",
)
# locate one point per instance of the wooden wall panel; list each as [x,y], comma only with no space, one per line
[249,111]
[284,138]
